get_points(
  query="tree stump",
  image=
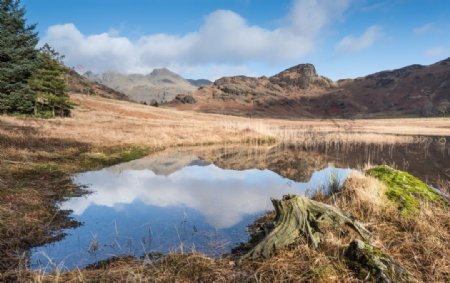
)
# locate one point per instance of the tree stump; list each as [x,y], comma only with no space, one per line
[300,216]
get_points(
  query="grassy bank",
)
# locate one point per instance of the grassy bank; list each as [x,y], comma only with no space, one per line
[35,174]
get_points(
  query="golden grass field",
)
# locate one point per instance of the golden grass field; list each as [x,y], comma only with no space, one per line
[105,122]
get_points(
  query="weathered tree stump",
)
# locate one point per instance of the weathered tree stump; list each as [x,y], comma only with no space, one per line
[370,262]
[300,216]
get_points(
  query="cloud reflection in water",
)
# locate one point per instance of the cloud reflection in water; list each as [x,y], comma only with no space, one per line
[223,197]
[133,211]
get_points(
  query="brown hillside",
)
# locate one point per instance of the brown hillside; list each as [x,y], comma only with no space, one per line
[415,89]
[300,92]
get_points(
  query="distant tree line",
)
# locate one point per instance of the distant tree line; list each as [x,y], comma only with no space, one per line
[32,80]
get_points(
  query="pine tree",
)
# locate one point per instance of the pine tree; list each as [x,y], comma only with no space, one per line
[17,58]
[49,84]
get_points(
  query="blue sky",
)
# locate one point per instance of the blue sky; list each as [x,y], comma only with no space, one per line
[210,39]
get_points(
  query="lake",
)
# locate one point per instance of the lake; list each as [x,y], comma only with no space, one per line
[203,199]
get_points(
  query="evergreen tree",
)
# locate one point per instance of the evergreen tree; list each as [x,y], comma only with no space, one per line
[49,84]
[18,56]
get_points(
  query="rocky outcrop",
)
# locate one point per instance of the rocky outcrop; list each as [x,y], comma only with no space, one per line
[242,86]
[303,76]
[185,99]
[298,79]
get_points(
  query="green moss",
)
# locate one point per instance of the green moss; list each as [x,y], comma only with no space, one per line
[95,160]
[404,189]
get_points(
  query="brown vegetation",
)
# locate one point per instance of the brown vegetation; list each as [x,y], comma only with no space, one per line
[106,122]
[299,92]
[38,156]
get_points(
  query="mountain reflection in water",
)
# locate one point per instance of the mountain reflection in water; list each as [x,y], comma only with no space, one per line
[190,204]
[203,198]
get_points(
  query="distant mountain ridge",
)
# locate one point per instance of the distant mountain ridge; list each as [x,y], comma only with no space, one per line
[299,91]
[157,87]
[79,84]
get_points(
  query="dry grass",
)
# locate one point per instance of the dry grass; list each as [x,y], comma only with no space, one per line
[35,174]
[37,157]
[103,122]
[444,187]
[419,242]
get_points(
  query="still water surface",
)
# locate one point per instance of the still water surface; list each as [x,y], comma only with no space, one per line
[202,199]
[134,210]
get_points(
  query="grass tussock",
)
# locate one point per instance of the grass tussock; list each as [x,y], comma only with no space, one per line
[418,242]
[404,189]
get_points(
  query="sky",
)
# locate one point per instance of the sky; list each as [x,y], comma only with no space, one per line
[214,38]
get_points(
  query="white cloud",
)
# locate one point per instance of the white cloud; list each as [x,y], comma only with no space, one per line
[356,43]
[436,52]
[423,29]
[224,41]
[309,17]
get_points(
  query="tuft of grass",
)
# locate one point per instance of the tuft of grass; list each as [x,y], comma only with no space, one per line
[334,182]
[404,189]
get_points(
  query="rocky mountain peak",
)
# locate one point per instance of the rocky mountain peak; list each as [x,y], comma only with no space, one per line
[303,76]
[162,72]
[304,70]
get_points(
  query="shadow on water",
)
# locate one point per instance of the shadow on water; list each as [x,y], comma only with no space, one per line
[202,199]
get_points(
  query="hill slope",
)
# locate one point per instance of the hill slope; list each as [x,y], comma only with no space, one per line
[80,84]
[415,89]
[300,92]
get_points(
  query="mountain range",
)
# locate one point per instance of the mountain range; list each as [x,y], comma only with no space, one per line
[82,85]
[159,86]
[299,91]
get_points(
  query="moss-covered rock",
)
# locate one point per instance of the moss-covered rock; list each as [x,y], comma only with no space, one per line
[370,262]
[404,189]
